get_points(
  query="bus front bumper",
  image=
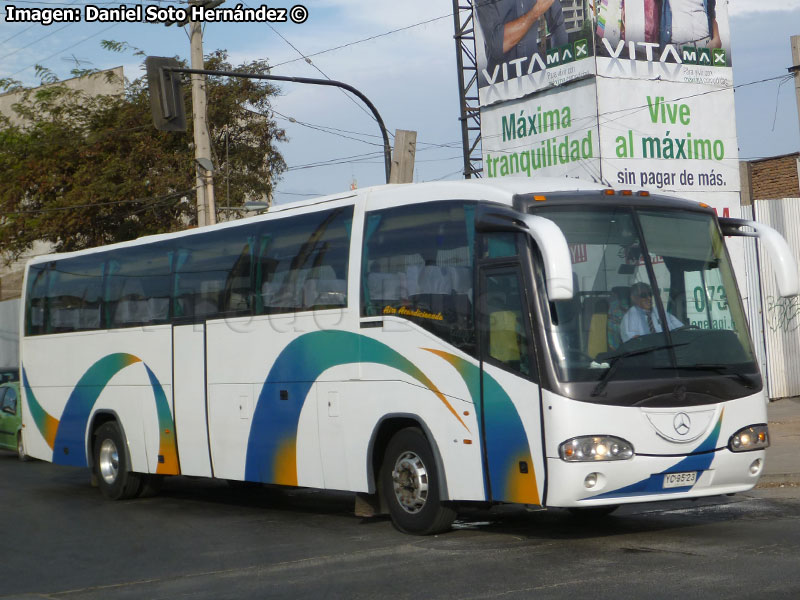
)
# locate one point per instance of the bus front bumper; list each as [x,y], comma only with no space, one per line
[651,478]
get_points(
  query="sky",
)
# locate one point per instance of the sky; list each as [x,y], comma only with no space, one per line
[402,56]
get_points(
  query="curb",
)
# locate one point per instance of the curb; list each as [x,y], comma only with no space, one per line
[771,480]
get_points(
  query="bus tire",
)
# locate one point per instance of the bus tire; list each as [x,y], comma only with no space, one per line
[409,482]
[21,448]
[112,464]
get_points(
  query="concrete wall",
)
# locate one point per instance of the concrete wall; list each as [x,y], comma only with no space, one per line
[9,333]
[110,82]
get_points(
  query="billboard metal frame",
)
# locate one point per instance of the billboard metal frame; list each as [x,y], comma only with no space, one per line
[469,106]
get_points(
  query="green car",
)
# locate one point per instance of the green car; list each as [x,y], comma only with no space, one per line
[11,418]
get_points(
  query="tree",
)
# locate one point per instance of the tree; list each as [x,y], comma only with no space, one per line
[85,171]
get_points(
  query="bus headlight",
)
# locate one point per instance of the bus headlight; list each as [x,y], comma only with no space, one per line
[754,437]
[595,447]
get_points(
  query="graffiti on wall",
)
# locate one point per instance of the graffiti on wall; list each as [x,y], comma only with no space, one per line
[783,314]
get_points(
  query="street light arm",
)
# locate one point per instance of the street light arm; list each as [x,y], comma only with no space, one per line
[387,152]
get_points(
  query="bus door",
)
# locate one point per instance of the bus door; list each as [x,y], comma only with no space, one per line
[190,393]
[510,398]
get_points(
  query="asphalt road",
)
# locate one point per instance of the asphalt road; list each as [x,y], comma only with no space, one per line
[202,539]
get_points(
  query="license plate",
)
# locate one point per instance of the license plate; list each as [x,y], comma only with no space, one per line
[673,480]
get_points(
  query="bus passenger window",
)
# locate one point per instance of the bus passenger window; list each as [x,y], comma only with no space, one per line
[74,295]
[303,261]
[138,286]
[36,299]
[418,265]
[213,274]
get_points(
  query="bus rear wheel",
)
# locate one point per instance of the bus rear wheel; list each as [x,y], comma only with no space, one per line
[112,464]
[409,483]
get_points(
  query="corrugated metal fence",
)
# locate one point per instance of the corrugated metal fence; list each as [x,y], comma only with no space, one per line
[780,317]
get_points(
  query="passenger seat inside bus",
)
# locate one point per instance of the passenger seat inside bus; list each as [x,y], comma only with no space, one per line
[387,288]
[594,321]
[433,289]
[323,288]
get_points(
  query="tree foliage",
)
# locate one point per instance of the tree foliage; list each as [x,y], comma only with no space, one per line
[81,171]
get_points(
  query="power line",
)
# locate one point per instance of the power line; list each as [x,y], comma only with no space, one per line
[308,60]
[64,49]
[156,199]
[367,39]
[55,31]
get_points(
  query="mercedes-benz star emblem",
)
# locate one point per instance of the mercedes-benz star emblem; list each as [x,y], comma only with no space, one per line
[682,423]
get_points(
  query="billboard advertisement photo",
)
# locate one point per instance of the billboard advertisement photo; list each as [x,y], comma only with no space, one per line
[672,40]
[524,46]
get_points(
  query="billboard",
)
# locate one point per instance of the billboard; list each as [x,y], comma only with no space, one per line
[669,40]
[525,46]
[645,99]
[547,134]
[667,136]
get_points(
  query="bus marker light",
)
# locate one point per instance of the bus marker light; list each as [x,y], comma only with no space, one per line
[540,198]
[468,442]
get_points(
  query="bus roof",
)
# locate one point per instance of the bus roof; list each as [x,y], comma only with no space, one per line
[509,191]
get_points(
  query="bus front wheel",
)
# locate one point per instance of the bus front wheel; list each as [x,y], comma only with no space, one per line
[410,485]
[112,464]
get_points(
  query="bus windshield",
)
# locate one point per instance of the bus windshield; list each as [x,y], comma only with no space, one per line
[655,297]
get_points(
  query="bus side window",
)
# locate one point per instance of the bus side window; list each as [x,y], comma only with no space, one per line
[418,265]
[213,274]
[303,262]
[75,294]
[138,286]
[36,298]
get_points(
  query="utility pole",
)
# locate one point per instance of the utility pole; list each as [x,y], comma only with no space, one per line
[796,70]
[206,208]
[405,148]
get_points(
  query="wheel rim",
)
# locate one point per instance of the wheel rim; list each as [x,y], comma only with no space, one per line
[410,482]
[108,461]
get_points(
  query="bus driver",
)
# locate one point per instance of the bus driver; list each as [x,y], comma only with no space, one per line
[641,319]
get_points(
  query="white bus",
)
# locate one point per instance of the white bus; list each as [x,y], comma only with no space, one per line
[425,346]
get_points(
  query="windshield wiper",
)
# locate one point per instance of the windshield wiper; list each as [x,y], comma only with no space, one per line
[615,361]
[721,369]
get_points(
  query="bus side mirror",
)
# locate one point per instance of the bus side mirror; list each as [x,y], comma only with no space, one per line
[166,94]
[549,239]
[780,253]
[555,255]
